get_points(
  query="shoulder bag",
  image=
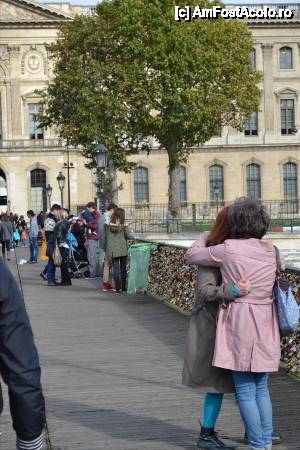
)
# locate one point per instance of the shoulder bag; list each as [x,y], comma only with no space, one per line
[286,305]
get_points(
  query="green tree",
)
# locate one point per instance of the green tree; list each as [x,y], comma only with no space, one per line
[131,72]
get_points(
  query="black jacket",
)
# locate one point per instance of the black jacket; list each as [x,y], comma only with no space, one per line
[19,361]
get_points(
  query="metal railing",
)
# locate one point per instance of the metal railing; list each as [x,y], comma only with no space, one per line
[151,218]
[13,144]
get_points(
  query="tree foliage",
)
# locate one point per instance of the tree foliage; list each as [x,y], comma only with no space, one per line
[132,72]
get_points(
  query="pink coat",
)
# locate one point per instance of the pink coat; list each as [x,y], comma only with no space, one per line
[247,337]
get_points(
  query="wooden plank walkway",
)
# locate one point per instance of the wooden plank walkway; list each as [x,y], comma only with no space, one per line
[112,369]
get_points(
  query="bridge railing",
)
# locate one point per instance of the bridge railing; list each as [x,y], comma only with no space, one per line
[172,279]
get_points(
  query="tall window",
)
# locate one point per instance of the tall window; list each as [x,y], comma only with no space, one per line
[216,183]
[141,185]
[38,190]
[286,58]
[287,114]
[290,180]
[253,181]
[253,58]
[183,190]
[35,111]
[1,131]
[290,186]
[251,125]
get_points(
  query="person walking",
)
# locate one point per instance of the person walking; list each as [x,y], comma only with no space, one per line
[33,232]
[107,266]
[6,235]
[19,366]
[61,230]
[50,223]
[90,221]
[115,246]
[247,337]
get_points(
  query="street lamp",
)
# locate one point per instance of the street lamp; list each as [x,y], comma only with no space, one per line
[68,165]
[61,184]
[101,156]
[49,194]
[216,196]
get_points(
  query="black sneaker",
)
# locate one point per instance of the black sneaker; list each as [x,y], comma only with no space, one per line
[276,439]
[208,440]
[42,275]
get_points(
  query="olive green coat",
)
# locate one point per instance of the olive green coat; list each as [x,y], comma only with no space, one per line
[198,371]
[115,240]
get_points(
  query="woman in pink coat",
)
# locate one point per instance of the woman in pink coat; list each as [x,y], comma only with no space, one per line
[247,338]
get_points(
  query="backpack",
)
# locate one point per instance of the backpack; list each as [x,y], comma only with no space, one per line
[286,305]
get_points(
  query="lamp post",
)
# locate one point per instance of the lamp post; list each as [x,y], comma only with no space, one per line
[49,194]
[101,155]
[61,184]
[68,165]
[216,195]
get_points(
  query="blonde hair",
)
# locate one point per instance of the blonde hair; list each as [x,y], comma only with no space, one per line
[64,214]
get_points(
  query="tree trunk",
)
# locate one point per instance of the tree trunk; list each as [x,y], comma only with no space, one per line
[173,218]
[112,188]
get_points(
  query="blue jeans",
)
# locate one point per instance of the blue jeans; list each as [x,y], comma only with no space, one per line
[33,249]
[253,398]
[50,270]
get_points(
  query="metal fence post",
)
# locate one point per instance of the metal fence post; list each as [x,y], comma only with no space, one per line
[194,216]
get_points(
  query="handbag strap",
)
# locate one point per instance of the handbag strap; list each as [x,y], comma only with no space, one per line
[278,263]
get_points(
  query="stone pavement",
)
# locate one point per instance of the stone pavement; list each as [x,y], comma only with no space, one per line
[111,373]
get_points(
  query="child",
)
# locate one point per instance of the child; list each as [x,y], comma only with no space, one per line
[115,245]
[23,238]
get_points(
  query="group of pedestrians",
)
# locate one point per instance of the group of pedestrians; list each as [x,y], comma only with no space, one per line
[233,339]
[12,233]
[101,240]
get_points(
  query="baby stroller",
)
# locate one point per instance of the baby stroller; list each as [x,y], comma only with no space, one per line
[76,260]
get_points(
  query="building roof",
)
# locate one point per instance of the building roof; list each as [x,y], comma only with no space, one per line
[18,13]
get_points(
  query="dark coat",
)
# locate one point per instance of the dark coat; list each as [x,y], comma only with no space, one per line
[198,372]
[19,361]
[6,231]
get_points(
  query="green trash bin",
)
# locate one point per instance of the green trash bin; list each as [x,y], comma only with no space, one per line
[139,267]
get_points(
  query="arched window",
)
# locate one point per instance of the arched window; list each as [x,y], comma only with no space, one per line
[183,190]
[290,180]
[3,188]
[38,190]
[141,185]
[253,181]
[286,58]
[253,58]
[290,186]
[1,128]
[216,183]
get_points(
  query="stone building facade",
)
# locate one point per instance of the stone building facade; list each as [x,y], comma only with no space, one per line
[31,158]
[263,161]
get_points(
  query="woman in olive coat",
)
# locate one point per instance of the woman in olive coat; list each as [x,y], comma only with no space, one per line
[115,246]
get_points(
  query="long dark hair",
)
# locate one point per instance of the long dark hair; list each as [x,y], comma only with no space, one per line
[118,214]
[221,229]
